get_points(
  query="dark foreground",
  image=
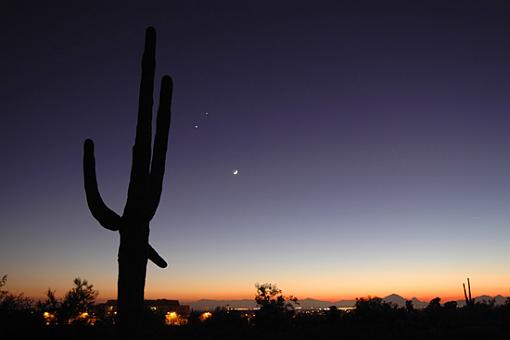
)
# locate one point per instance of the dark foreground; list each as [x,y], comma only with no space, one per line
[372,319]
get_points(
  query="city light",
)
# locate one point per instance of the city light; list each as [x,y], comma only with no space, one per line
[49,318]
[205,316]
[174,319]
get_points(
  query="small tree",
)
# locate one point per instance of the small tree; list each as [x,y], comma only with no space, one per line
[333,314]
[373,309]
[51,304]
[16,313]
[10,302]
[410,306]
[434,305]
[79,299]
[275,309]
[3,293]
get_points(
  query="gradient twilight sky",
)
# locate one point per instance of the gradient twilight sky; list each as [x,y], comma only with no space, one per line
[371,140]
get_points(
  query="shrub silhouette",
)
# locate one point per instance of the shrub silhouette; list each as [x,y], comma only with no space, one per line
[276,310]
[16,313]
[409,306]
[79,299]
[434,305]
[9,302]
[373,309]
[51,304]
[144,192]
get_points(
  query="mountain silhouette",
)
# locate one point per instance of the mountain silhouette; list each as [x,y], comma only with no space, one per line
[310,303]
[210,304]
[395,299]
[498,299]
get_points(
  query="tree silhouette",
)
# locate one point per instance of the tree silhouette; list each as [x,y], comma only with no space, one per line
[434,305]
[275,308]
[410,306]
[51,304]
[11,302]
[373,309]
[144,192]
[79,299]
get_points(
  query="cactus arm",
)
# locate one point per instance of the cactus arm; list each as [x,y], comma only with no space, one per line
[469,290]
[153,255]
[160,145]
[104,215]
[465,294]
[142,147]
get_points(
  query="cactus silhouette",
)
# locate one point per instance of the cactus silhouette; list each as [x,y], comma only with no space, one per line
[470,302]
[144,192]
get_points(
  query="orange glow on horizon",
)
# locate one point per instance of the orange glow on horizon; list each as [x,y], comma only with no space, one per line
[424,285]
[423,294]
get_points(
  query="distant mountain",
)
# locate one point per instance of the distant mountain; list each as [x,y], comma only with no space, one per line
[498,299]
[401,301]
[395,299]
[345,303]
[207,304]
[308,303]
[313,303]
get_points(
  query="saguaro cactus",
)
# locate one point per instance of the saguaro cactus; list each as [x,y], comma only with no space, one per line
[469,301]
[144,192]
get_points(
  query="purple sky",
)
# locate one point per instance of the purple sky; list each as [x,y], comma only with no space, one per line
[371,141]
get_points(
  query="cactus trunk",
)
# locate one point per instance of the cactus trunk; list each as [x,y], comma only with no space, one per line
[131,283]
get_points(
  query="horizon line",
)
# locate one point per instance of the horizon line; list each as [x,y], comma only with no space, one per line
[420,298]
